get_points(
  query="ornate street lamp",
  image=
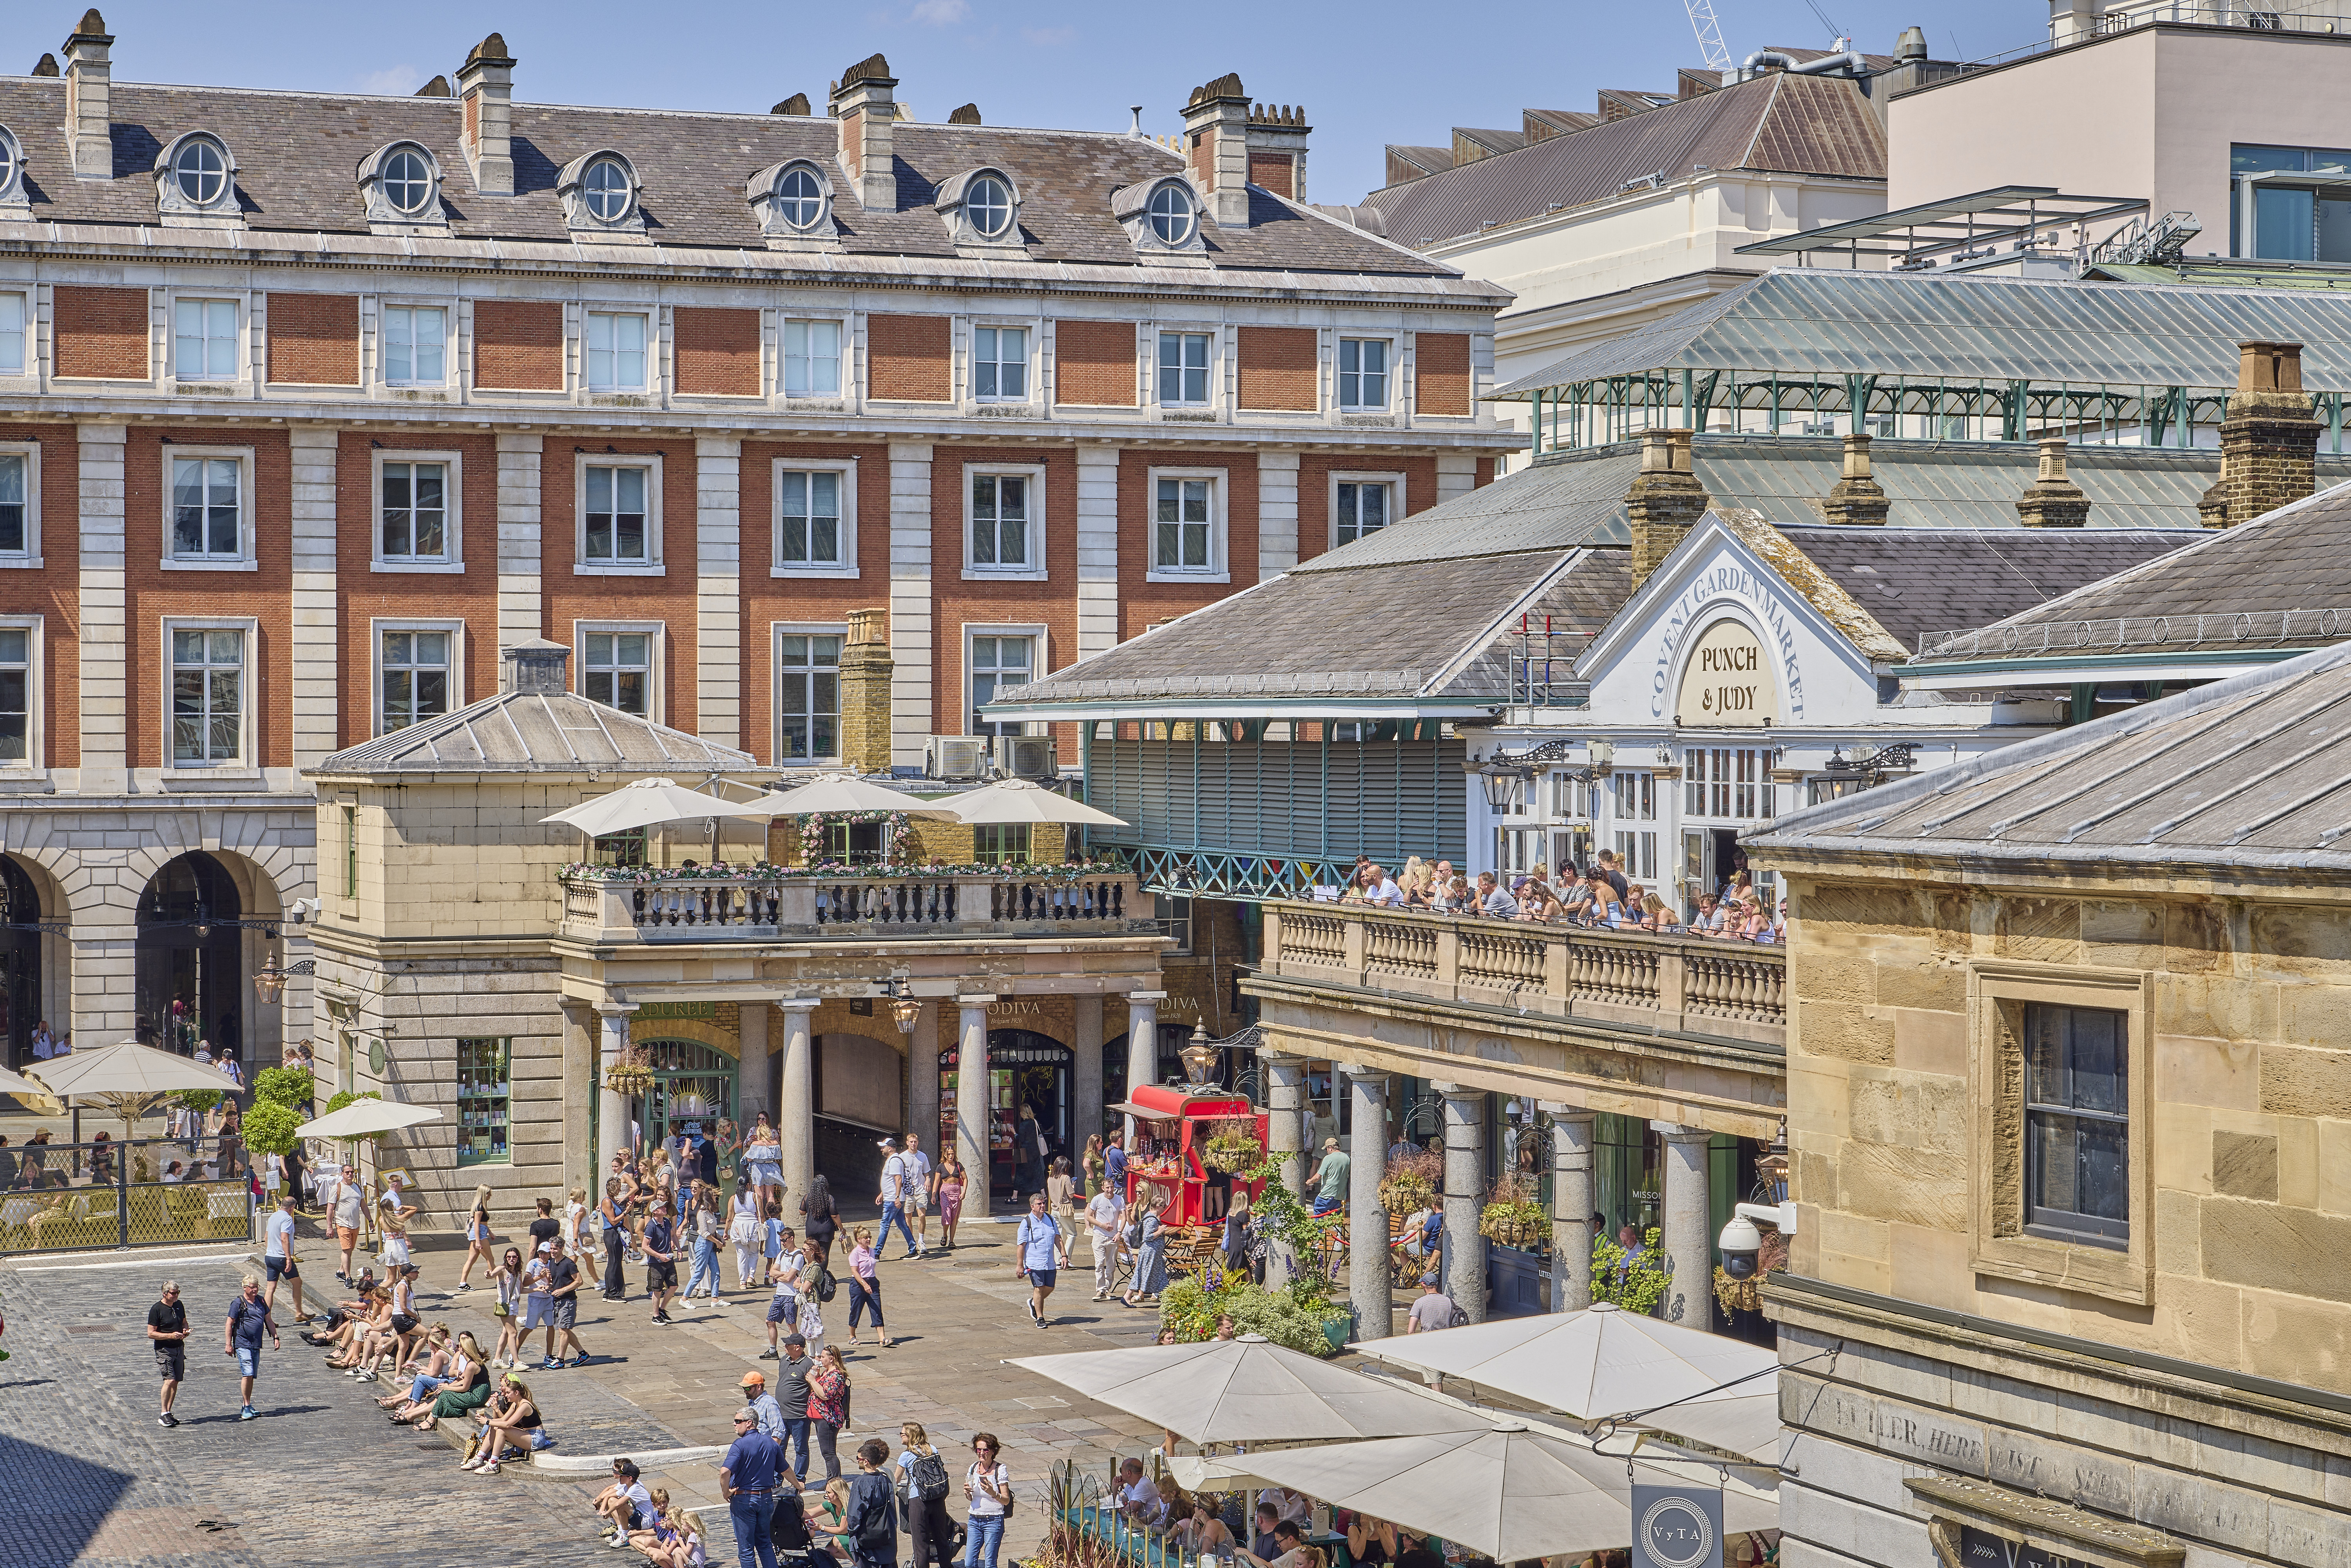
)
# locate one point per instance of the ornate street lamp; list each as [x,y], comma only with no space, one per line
[904,1007]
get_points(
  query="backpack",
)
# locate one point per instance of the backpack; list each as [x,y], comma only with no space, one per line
[825,1285]
[879,1528]
[930,1478]
[1460,1319]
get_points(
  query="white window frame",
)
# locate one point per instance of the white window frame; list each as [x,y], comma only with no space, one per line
[376,629]
[1387,378]
[29,557]
[248,739]
[36,760]
[777,631]
[1039,664]
[28,333]
[452,559]
[1033,570]
[656,660]
[239,307]
[846,468]
[652,350]
[1394,482]
[844,354]
[244,560]
[1159,337]
[1030,333]
[384,308]
[652,565]
[1218,569]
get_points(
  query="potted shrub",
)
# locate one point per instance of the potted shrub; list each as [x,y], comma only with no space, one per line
[1232,1146]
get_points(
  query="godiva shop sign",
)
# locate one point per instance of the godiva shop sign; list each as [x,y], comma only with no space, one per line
[1727,682]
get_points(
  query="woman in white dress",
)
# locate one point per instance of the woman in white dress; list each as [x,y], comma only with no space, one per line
[745,1229]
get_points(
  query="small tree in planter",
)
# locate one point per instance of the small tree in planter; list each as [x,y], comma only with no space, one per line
[284,1086]
[269,1128]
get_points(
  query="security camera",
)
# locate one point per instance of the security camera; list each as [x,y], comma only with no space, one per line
[1740,1243]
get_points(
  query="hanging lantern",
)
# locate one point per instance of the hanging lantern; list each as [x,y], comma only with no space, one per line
[906,1009]
[270,983]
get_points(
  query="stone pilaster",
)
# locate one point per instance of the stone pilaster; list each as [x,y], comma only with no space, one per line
[910,607]
[1285,1097]
[755,1088]
[2053,501]
[718,588]
[1277,513]
[1856,498]
[1369,1289]
[868,675]
[796,1095]
[1457,475]
[923,1077]
[315,678]
[1665,501]
[102,644]
[1097,548]
[1087,1111]
[519,607]
[1571,1207]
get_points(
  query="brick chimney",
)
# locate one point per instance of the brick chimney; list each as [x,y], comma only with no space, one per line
[1276,149]
[2053,501]
[1665,501]
[90,119]
[1216,145]
[485,85]
[864,101]
[2269,439]
[1857,497]
[865,672]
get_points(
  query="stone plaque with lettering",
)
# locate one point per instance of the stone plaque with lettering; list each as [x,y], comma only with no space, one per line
[1728,680]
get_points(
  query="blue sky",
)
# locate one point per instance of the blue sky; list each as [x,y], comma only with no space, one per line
[1367,73]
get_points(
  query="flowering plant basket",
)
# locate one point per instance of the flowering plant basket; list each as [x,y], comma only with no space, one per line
[629,1078]
[1232,1146]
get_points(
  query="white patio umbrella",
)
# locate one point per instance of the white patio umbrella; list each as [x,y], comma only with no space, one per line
[34,1095]
[127,1078]
[1017,801]
[364,1118]
[1507,1492]
[1249,1390]
[647,803]
[831,792]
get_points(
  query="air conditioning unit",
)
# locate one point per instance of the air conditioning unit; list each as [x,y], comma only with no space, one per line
[955,756]
[1026,756]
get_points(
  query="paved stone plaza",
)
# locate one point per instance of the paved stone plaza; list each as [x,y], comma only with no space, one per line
[92,1480]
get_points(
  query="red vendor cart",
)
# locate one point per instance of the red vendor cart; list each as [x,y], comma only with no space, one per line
[1172,1130]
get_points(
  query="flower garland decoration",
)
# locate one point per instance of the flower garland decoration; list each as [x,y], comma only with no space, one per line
[813,829]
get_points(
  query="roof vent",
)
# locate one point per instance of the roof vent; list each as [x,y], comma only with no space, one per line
[536,667]
[796,104]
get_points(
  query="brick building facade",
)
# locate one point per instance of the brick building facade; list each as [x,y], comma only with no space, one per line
[288,454]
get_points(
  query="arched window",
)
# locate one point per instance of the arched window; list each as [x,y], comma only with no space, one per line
[202,170]
[988,205]
[407,180]
[1171,213]
[800,198]
[605,188]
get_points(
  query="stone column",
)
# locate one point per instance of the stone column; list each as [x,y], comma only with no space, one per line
[1687,1237]
[1571,1207]
[796,1096]
[1464,1192]
[1086,1097]
[755,1081]
[1285,1135]
[519,606]
[923,1077]
[611,1109]
[971,1102]
[101,647]
[910,601]
[718,588]
[1097,538]
[1369,1289]
[313,451]
[1142,1046]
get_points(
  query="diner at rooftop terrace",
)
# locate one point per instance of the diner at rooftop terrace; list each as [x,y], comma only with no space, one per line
[1599,896]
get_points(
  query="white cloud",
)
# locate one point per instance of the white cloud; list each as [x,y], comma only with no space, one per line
[394,81]
[942,12]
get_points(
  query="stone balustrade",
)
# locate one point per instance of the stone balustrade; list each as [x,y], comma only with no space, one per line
[1684,985]
[857,903]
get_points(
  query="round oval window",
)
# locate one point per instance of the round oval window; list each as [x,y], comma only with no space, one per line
[1171,214]
[990,204]
[407,182]
[202,172]
[606,188]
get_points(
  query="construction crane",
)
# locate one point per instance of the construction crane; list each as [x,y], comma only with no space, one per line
[1710,35]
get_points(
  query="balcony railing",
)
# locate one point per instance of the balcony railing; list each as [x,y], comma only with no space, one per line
[873,904]
[1683,985]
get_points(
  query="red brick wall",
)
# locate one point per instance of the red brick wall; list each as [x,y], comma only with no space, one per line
[369,596]
[717,351]
[1315,489]
[1278,367]
[668,598]
[102,332]
[265,594]
[907,358]
[314,339]
[1093,362]
[1201,155]
[1052,603]
[768,600]
[54,592]
[1273,171]
[1141,601]
[1442,372]
[519,345]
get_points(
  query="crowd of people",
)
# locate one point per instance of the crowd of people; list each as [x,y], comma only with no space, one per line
[1599,895]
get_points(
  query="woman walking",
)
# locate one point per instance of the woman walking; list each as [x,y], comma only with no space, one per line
[828,1405]
[951,1184]
[576,1239]
[823,1221]
[1150,1240]
[615,1212]
[763,1161]
[706,1230]
[478,1241]
[923,1485]
[865,1286]
[508,1312]
[988,1488]
[1060,1194]
[744,1230]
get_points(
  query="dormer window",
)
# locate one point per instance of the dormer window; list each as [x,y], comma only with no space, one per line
[202,170]
[606,186]
[1171,214]
[401,183]
[14,202]
[982,208]
[800,198]
[600,191]
[195,182]
[407,182]
[794,204]
[988,205]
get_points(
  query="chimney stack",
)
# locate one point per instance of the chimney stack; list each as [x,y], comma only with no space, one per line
[533,667]
[1216,145]
[866,669]
[486,84]
[865,104]
[2269,440]
[90,119]
[1665,501]
[1857,497]
[2053,501]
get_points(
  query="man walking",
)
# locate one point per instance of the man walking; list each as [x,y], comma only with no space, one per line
[277,1255]
[167,1329]
[1114,1162]
[1040,1250]
[538,1303]
[1103,1211]
[917,1197]
[747,1479]
[661,1262]
[1329,1181]
[350,1216]
[792,1400]
[563,1299]
[248,1316]
[1434,1311]
[897,1176]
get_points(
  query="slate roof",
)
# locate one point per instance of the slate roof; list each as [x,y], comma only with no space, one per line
[2283,579]
[536,732]
[1810,125]
[2252,772]
[296,155]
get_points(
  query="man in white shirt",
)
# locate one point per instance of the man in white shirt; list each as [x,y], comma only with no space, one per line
[1105,1213]
[277,1255]
[1384,889]
[897,1178]
[349,1205]
[916,1193]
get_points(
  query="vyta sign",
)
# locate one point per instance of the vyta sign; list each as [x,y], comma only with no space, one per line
[1676,1526]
